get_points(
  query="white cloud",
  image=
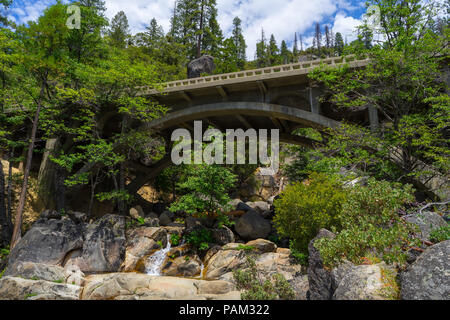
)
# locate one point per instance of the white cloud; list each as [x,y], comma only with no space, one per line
[346,25]
[279,17]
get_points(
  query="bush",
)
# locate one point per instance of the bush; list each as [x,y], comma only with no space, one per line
[305,208]
[371,226]
[200,239]
[440,235]
[206,190]
[256,288]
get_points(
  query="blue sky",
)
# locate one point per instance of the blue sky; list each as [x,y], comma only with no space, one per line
[279,17]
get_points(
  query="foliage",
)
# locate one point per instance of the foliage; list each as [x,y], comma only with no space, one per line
[440,235]
[403,83]
[371,226]
[206,188]
[305,208]
[200,239]
[175,239]
[245,248]
[224,220]
[255,287]
[299,257]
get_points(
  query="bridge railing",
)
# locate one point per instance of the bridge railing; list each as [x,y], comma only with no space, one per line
[258,72]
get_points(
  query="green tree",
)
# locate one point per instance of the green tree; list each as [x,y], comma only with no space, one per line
[206,188]
[119,30]
[239,43]
[273,51]
[403,83]
[285,54]
[339,44]
[262,56]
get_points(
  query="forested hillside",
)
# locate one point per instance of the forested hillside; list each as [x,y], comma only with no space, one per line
[368,200]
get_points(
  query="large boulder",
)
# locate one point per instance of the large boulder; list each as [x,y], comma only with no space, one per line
[223,262]
[259,206]
[104,246]
[223,235]
[202,65]
[368,282]
[142,242]
[38,271]
[252,226]
[320,283]
[12,288]
[47,242]
[426,223]
[429,277]
[132,286]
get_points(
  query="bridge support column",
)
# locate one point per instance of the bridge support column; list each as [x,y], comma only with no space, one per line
[314,94]
[373,118]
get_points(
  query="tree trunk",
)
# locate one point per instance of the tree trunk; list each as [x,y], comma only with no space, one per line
[3,218]
[9,192]
[199,41]
[17,232]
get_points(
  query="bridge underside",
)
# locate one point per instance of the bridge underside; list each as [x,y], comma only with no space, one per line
[245,115]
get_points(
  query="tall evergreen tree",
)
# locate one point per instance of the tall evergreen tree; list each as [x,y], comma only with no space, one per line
[328,37]
[261,51]
[119,30]
[339,44]
[295,49]
[274,51]
[318,39]
[98,5]
[285,54]
[239,43]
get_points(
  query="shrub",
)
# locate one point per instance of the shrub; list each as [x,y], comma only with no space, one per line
[206,190]
[256,288]
[175,239]
[305,208]
[200,239]
[440,235]
[299,257]
[371,226]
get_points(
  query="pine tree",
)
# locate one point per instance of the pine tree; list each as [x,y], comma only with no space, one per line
[285,54]
[239,43]
[339,43]
[119,30]
[318,39]
[273,52]
[98,5]
[328,38]
[261,51]
[295,49]
[194,25]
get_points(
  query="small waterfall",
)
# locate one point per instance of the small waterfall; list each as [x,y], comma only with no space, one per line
[155,262]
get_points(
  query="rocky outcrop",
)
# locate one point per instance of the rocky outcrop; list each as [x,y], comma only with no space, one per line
[367,282]
[253,226]
[12,288]
[142,242]
[320,284]
[426,223]
[429,277]
[130,286]
[222,235]
[202,65]
[104,246]
[48,242]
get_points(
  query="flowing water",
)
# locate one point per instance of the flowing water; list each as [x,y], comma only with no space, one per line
[155,262]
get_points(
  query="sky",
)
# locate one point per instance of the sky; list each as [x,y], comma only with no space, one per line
[282,18]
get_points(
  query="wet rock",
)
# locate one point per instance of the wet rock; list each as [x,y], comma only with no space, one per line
[429,277]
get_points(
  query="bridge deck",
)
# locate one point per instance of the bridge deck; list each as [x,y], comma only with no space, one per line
[264,74]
